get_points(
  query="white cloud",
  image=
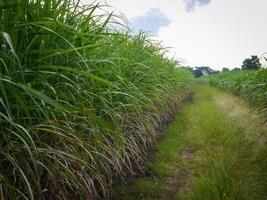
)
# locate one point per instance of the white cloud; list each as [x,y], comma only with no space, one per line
[220,34]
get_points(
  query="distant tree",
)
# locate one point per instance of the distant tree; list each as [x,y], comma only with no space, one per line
[251,63]
[203,70]
[225,69]
[215,72]
[236,69]
[197,72]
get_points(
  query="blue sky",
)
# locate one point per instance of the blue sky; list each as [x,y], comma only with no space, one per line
[215,33]
[191,4]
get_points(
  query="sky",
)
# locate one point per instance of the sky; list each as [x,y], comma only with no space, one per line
[214,33]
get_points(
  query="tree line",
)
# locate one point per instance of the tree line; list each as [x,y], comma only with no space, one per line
[252,63]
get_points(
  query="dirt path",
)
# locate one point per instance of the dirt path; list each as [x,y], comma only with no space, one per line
[210,152]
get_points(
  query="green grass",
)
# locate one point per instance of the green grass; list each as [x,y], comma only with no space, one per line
[166,164]
[229,162]
[80,102]
[226,158]
[249,84]
[167,158]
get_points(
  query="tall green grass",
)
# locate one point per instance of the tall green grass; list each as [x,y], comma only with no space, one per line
[251,85]
[80,103]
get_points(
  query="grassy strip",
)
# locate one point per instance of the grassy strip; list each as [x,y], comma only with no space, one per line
[167,163]
[207,154]
[80,103]
[229,159]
